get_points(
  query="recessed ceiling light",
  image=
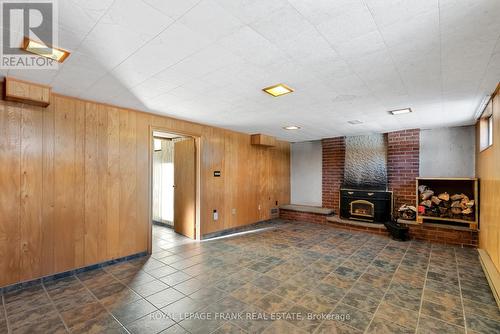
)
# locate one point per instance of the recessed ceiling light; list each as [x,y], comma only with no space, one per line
[43,50]
[400,111]
[355,122]
[291,127]
[278,90]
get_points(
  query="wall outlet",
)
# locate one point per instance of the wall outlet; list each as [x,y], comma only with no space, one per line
[216,215]
[233,211]
[259,207]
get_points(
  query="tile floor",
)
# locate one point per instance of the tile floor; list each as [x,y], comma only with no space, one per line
[296,278]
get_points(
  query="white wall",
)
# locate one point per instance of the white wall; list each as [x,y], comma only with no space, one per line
[448,152]
[306,173]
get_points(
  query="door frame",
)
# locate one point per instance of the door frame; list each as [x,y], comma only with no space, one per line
[197,141]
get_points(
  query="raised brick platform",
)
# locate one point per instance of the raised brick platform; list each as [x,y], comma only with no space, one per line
[352,225]
[436,233]
[302,216]
[443,234]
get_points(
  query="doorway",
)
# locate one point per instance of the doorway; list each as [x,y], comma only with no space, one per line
[174,183]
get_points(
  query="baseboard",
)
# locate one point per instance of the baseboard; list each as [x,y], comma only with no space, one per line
[492,274]
[48,278]
[250,227]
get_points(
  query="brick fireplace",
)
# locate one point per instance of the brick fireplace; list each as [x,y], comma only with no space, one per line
[403,150]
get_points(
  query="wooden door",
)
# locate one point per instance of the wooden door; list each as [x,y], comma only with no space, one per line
[185,187]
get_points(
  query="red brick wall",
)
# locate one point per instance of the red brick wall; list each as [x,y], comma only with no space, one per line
[403,153]
[444,235]
[302,216]
[333,171]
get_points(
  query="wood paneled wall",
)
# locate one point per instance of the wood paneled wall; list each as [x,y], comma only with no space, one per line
[75,183]
[488,171]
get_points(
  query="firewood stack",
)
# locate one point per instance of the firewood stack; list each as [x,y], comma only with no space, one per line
[444,205]
[407,212]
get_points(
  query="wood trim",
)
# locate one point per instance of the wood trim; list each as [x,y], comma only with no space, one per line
[497,90]
[262,140]
[26,92]
[491,273]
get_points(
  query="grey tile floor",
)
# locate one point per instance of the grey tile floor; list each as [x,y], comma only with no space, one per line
[296,278]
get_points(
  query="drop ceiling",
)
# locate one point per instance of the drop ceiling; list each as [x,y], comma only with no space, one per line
[207,61]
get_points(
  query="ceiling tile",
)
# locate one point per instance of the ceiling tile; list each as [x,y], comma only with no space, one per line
[210,20]
[173,8]
[208,60]
[281,25]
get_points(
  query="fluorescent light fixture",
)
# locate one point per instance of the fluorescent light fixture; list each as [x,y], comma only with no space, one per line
[355,122]
[481,107]
[43,50]
[278,90]
[291,127]
[400,111]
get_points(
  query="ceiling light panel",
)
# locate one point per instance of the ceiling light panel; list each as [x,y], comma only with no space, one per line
[278,90]
[400,111]
[43,50]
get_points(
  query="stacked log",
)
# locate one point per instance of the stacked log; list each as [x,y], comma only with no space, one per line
[407,212]
[444,205]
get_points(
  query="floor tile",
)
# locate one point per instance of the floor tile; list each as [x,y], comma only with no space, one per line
[317,303]
[399,315]
[165,297]
[382,326]
[273,303]
[316,270]
[25,299]
[152,323]
[89,318]
[330,326]
[428,325]
[282,326]
[133,311]
[147,289]
[490,311]
[290,291]
[249,293]
[228,328]
[453,315]
[480,324]
[354,317]
[361,302]
[49,323]
[175,278]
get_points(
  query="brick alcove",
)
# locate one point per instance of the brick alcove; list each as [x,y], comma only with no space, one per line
[403,156]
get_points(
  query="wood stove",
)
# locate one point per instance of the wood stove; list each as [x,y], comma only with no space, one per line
[374,206]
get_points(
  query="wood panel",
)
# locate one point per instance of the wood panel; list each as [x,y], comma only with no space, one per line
[48,221]
[64,180]
[10,179]
[489,178]
[31,191]
[113,184]
[76,183]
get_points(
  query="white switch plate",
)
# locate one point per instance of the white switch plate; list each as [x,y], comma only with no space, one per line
[216,215]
